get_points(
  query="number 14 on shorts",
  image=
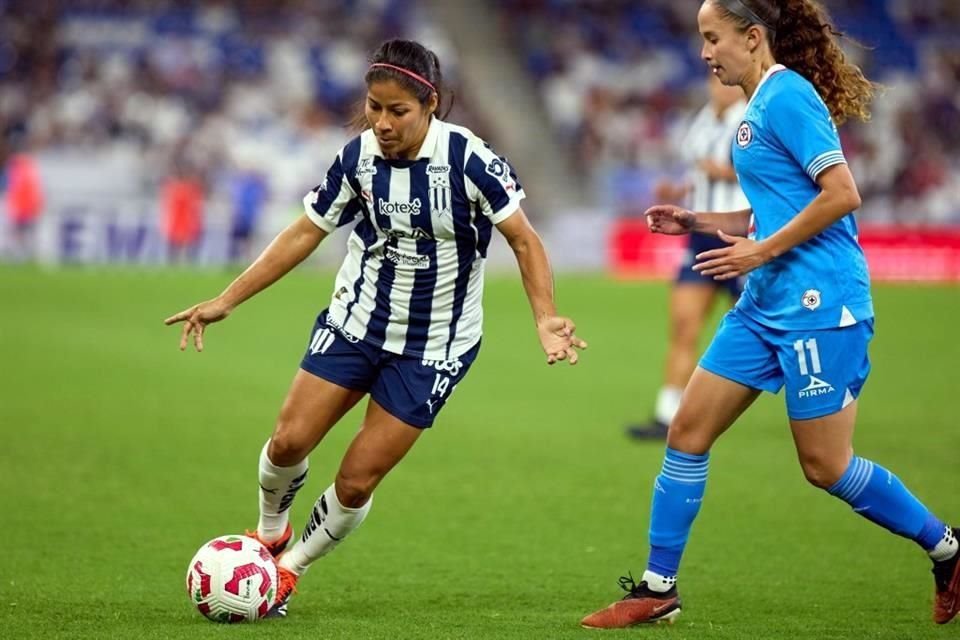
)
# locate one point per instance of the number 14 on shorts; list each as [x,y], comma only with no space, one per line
[440,385]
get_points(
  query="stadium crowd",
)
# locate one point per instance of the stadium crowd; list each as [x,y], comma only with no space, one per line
[619,78]
[235,101]
[219,99]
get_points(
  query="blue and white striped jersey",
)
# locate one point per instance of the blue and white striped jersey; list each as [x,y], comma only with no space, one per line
[412,280]
[711,138]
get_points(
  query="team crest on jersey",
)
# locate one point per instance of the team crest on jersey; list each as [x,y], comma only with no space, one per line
[744,135]
[810,299]
[440,194]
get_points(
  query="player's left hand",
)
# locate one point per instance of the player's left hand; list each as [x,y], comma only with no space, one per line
[740,258]
[559,340]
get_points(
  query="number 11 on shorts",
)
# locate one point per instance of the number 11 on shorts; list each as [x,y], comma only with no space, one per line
[811,346]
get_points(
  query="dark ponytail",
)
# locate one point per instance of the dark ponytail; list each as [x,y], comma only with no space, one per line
[804,39]
[414,58]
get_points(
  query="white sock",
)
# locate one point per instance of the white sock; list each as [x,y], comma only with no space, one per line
[278,487]
[945,548]
[668,401]
[329,524]
[657,582]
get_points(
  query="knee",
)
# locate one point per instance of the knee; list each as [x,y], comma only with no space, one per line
[686,433]
[355,488]
[288,446]
[684,330]
[822,471]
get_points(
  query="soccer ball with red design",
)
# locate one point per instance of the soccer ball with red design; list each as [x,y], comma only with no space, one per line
[232,579]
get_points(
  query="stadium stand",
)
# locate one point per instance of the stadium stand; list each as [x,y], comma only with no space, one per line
[617,78]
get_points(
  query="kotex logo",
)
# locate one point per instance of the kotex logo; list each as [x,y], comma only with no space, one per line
[389,208]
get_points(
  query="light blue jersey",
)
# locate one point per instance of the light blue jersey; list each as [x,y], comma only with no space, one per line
[787,138]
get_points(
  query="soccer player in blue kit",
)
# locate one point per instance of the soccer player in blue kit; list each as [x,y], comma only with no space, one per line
[405,319]
[805,317]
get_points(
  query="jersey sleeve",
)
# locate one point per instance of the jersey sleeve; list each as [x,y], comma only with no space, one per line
[492,183]
[333,203]
[803,125]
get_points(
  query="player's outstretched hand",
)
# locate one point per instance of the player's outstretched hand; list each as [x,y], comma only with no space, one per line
[740,257]
[670,219]
[559,340]
[196,318]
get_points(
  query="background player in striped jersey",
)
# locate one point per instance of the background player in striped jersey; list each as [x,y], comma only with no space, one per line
[711,186]
[404,322]
[805,317]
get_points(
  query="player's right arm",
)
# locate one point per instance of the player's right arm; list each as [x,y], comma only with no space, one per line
[672,220]
[287,250]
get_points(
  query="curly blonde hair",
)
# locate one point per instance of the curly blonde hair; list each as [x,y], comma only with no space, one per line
[804,39]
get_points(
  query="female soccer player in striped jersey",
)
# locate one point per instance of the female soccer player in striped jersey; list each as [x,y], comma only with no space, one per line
[404,322]
[805,317]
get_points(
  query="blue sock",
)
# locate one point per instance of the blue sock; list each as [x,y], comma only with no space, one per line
[879,496]
[677,494]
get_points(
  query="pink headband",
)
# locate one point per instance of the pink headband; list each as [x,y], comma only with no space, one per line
[413,75]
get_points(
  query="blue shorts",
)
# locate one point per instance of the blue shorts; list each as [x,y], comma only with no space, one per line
[698,243]
[409,388]
[823,370]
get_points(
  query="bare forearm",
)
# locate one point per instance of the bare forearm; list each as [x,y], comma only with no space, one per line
[288,249]
[735,223]
[823,211]
[536,275]
[725,173]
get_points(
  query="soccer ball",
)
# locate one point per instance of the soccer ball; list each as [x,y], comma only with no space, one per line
[232,579]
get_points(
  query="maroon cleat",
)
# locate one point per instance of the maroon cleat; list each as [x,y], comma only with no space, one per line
[946,575]
[641,605]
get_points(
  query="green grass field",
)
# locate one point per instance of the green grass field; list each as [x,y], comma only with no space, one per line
[512,519]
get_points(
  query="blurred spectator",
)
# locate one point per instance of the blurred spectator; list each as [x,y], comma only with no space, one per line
[618,76]
[182,211]
[24,202]
[248,195]
[269,86]
[218,84]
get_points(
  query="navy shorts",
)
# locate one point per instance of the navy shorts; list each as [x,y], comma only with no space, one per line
[823,370]
[409,388]
[698,243]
